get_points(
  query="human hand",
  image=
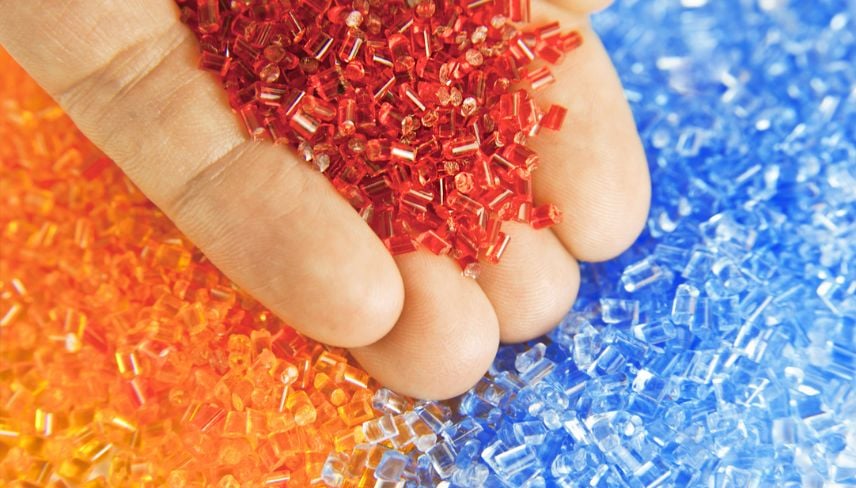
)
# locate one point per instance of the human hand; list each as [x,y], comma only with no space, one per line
[126,74]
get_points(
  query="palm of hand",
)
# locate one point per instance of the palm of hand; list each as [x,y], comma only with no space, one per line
[126,73]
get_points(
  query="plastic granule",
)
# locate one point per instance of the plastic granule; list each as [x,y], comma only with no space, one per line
[417,112]
[719,351]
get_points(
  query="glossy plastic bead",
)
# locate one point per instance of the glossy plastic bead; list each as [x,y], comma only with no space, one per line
[391,466]
[347,116]
[554,118]
[318,45]
[540,78]
[208,15]
[545,216]
[351,46]
[461,147]
[215,63]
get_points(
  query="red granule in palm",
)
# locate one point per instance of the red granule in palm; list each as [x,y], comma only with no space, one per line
[418,112]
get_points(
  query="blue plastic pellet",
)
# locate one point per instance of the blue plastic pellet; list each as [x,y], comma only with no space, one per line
[391,466]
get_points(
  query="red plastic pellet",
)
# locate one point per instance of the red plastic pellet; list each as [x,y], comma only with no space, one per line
[413,109]
[554,118]
[545,216]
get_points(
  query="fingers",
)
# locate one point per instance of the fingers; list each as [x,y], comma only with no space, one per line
[446,337]
[125,72]
[594,169]
[533,286]
[583,6]
[281,232]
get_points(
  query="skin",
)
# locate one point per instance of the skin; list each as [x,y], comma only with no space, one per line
[126,74]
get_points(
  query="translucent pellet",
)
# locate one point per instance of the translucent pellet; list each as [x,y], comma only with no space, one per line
[684,304]
[514,460]
[380,429]
[424,438]
[642,274]
[442,458]
[616,311]
[528,359]
[654,332]
[531,432]
[474,475]
[391,466]
[333,473]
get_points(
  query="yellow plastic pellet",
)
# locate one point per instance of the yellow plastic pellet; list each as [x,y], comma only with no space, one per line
[74,469]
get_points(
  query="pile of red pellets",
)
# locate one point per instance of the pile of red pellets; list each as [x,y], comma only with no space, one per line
[418,112]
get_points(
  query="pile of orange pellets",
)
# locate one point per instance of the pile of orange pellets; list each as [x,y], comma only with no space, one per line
[127,359]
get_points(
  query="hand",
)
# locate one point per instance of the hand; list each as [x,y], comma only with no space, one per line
[126,74]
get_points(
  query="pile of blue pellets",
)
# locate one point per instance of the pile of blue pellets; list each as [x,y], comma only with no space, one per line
[719,351]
